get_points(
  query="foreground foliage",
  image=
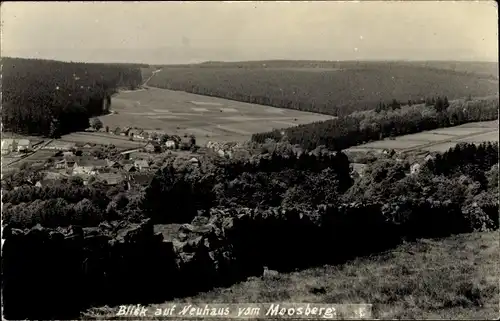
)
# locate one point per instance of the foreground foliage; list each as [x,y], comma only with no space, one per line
[324,211]
[451,278]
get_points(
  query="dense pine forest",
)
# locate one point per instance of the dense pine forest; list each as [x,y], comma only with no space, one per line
[334,88]
[45,97]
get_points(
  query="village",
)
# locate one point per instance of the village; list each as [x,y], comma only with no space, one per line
[107,164]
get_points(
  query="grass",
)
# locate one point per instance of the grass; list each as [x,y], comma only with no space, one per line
[438,139]
[208,118]
[452,278]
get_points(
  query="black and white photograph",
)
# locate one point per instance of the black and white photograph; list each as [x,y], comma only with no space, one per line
[249,160]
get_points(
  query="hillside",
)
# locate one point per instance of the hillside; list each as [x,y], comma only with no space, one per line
[334,88]
[46,97]
[452,278]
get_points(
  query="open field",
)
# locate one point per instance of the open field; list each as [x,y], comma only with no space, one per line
[208,118]
[451,278]
[439,140]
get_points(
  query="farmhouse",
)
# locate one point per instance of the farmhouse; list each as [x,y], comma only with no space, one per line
[23,145]
[46,182]
[137,133]
[429,157]
[141,164]
[170,144]
[125,131]
[113,164]
[152,147]
[141,179]
[358,168]
[19,145]
[110,179]
[129,168]
[90,166]
[8,145]
[415,168]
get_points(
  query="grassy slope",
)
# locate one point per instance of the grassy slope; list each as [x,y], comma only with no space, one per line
[455,278]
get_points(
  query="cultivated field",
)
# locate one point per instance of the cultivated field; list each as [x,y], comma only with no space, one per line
[208,118]
[439,140]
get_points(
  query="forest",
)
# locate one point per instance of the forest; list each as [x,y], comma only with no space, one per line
[50,98]
[362,127]
[323,87]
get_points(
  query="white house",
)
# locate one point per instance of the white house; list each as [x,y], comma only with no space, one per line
[23,145]
[19,145]
[8,145]
[170,144]
[141,164]
[428,157]
[415,168]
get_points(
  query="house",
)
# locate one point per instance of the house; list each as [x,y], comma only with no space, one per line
[110,179]
[113,164]
[358,168]
[125,131]
[46,182]
[152,147]
[60,164]
[85,165]
[194,160]
[141,164]
[141,179]
[87,145]
[23,145]
[8,145]
[170,144]
[129,168]
[429,157]
[136,133]
[415,168]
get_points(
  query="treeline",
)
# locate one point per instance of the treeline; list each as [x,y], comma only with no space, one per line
[327,91]
[45,97]
[360,128]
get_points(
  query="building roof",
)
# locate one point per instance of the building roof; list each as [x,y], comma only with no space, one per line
[141,163]
[23,142]
[142,179]
[128,167]
[6,143]
[87,162]
[111,178]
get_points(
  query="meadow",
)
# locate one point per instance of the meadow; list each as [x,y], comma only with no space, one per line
[208,118]
[334,88]
[438,140]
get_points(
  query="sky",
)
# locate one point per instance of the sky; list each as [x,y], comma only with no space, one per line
[187,32]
